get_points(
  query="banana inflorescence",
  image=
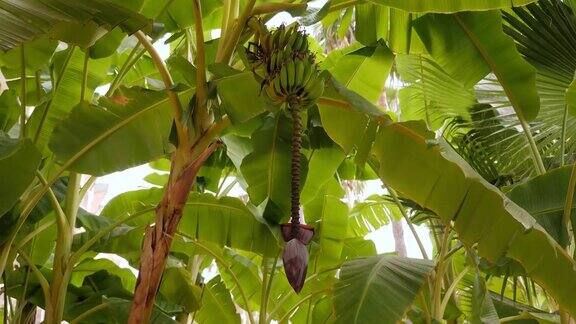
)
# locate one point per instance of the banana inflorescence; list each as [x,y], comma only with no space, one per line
[290,74]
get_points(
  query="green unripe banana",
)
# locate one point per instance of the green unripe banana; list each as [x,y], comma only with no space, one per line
[299,74]
[290,67]
[315,90]
[284,79]
[309,69]
[278,88]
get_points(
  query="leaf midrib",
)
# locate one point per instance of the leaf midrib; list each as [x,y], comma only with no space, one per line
[90,145]
[371,277]
[272,158]
[487,58]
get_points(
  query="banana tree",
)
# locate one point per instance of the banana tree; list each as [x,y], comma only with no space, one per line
[269,110]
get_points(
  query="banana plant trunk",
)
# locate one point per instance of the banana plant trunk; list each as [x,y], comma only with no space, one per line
[158,238]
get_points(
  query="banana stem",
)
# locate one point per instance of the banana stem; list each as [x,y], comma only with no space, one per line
[201,114]
[567,217]
[437,311]
[23,92]
[295,166]
[271,8]
[235,33]
[168,83]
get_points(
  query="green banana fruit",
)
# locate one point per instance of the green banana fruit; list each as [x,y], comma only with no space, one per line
[315,90]
[291,76]
[284,80]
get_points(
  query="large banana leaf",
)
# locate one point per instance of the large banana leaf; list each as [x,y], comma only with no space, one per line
[371,214]
[437,179]
[129,129]
[430,93]
[69,68]
[371,22]
[544,198]
[246,269]
[90,266]
[18,163]
[323,164]
[448,6]
[267,168]
[217,305]
[22,20]
[225,221]
[331,229]
[38,53]
[358,80]
[346,116]
[378,289]
[364,71]
[9,110]
[543,33]
[470,45]
[240,94]
[179,288]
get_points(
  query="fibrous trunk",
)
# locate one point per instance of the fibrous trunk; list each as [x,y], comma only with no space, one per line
[158,238]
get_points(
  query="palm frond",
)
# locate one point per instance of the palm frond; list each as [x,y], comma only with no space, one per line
[429,93]
[545,34]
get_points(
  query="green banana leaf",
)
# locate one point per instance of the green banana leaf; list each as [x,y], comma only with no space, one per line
[18,163]
[433,176]
[217,305]
[69,67]
[267,169]
[378,289]
[224,221]
[25,19]
[129,129]
[364,71]
[470,45]
[177,287]
[448,6]
[544,197]
[9,110]
[240,94]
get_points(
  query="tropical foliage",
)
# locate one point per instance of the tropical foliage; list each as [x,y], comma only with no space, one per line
[463,111]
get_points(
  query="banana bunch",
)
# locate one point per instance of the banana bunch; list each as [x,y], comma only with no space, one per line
[283,38]
[290,72]
[298,82]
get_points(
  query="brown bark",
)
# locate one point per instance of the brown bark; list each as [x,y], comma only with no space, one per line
[398,233]
[158,238]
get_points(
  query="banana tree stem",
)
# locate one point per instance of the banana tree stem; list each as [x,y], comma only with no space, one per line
[563,137]
[270,8]
[23,92]
[536,157]
[235,34]
[437,312]
[124,69]
[266,296]
[451,289]
[567,217]
[89,312]
[168,83]
[84,77]
[201,114]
